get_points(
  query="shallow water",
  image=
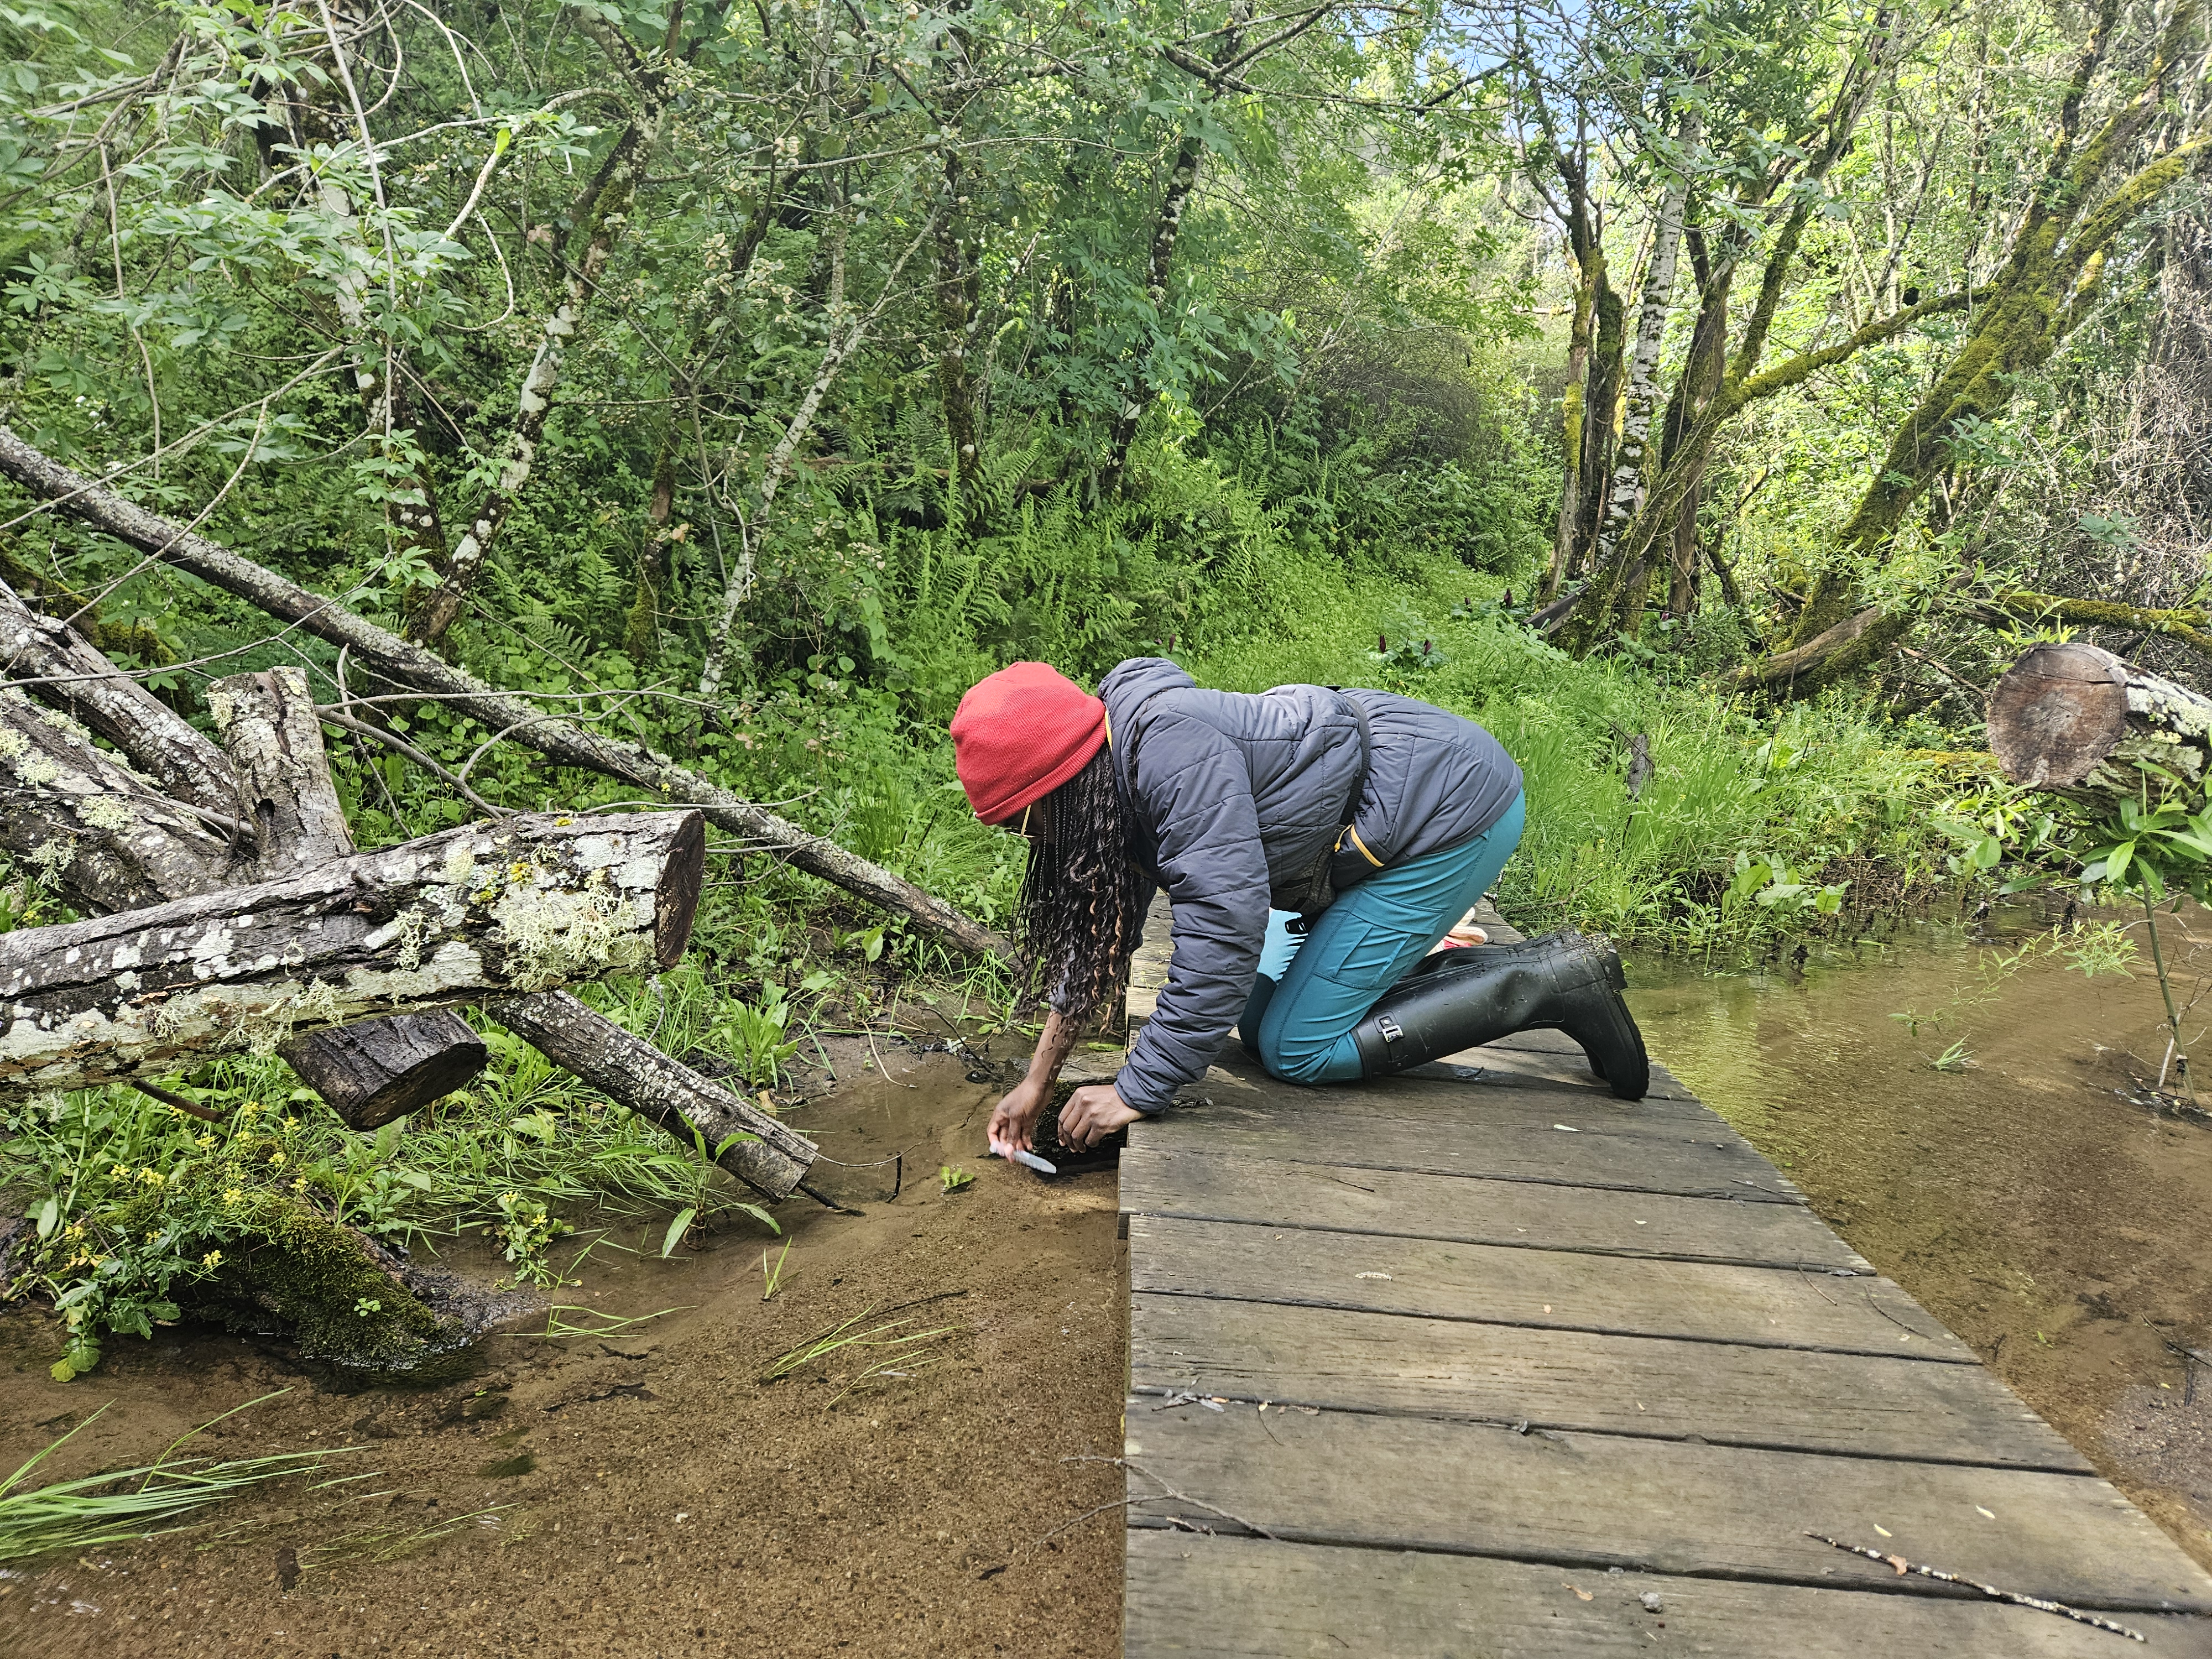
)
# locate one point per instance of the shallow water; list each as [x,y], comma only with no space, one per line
[2031,1190]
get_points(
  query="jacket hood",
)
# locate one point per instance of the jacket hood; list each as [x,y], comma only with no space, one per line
[1140,677]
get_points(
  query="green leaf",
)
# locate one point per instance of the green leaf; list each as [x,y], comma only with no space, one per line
[50,1215]
[676,1229]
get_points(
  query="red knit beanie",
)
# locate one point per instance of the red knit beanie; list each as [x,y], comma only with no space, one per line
[1019,734]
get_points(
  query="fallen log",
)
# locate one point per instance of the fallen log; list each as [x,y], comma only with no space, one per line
[522,906]
[2079,722]
[374,1070]
[62,668]
[388,657]
[77,817]
[773,1160]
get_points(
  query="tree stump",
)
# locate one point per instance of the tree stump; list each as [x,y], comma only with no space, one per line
[2079,722]
[375,1070]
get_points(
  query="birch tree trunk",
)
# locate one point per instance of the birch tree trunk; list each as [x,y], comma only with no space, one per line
[1624,492]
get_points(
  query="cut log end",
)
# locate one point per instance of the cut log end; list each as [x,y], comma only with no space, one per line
[2057,713]
[676,902]
[376,1069]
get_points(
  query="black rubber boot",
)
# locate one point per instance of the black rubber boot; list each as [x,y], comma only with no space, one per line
[1566,982]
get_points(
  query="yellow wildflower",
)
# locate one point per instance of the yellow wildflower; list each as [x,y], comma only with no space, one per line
[276,1156]
[207,1140]
[212,1258]
[234,1196]
[150,1176]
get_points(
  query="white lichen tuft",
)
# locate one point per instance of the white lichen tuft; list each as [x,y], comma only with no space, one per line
[107,813]
[49,858]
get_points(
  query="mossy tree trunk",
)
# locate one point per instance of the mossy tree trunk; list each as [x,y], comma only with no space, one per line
[2049,282]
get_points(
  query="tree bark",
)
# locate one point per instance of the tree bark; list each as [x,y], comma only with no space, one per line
[635,1074]
[2079,722]
[267,721]
[375,1070]
[61,667]
[80,819]
[391,658]
[522,906]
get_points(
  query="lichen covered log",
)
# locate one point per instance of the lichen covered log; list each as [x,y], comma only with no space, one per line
[74,816]
[525,905]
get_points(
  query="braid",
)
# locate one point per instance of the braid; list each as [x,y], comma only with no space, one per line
[1080,915]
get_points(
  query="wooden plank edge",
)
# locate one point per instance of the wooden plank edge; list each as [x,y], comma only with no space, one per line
[1864,1269]
[1909,1585]
[1333,1305]
[1539,1425]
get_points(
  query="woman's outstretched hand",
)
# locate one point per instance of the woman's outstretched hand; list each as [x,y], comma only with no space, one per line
[1092,1113]
[1014,1121]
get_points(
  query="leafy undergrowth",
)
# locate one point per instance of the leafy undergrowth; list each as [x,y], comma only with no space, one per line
[272,1219]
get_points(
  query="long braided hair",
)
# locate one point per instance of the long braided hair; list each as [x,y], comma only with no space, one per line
[1081,913]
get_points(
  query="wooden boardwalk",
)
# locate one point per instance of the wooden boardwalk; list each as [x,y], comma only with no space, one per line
[1481,1361]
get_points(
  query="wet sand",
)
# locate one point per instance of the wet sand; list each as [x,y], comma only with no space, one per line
[646,1493]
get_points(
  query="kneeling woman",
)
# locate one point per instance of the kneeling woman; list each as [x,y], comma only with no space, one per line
[1314,844]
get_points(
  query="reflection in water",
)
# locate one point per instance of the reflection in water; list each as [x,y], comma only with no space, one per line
[1996,1153]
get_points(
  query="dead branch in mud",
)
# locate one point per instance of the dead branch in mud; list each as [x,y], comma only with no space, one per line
[389,657]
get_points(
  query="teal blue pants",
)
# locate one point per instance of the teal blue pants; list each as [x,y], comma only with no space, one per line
[1312,990]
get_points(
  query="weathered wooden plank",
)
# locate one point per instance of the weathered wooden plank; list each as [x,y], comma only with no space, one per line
[1239,1598]
[1651,1505]
[1504,1134]
[1161,1175]
[1554,1290]
[1728,1395]
[1505,1064]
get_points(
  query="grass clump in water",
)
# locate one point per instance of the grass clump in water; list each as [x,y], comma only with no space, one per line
[126,1505]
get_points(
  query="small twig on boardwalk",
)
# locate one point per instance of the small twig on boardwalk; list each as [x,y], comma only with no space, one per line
[2017,1599]
[1895,1321]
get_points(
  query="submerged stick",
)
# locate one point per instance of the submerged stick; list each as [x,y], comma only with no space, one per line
[2017,1599]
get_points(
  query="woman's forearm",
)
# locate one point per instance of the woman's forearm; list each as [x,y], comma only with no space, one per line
[1053,1049]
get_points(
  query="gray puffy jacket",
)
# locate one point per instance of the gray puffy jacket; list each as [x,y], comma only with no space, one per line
[1240,795]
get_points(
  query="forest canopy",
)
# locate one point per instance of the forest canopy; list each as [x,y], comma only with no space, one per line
[746,380]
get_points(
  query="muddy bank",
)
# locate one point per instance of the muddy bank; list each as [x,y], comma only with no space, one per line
[2024,1189]
[645,1493]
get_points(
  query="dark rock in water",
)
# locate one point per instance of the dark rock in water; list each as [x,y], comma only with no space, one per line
[287,1568]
